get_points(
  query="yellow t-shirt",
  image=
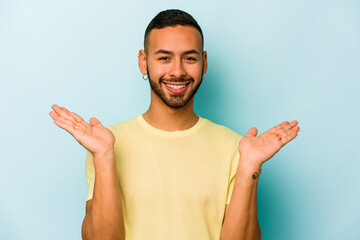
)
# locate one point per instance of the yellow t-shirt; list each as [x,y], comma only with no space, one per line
[174,185]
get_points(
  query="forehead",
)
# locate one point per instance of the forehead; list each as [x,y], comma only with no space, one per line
[178,38]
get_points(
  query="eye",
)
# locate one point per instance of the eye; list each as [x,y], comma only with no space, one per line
[164,58]
[190,58]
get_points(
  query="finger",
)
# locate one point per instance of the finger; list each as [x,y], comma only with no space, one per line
[95,122]
[279,126]
[82,124]
[285,131]
[283,124]
[287,126]
[67,121]
[64,124]
[68,114]
[289,135]
[272,130]
[62,112]
[296,129]
[252,132]
[278,129]
[54,115]
[291,125]
[293,130]
[76,117]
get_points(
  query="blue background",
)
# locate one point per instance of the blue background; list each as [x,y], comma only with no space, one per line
[269,61]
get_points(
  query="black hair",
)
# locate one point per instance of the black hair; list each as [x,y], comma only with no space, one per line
[172,17]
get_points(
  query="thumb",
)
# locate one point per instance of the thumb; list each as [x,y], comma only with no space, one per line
[95,123]
[252,132]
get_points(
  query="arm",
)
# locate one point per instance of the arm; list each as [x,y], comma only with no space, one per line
[104,218]
[240,221]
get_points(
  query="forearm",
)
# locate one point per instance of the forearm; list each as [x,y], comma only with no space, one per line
[104,219]
[241,220]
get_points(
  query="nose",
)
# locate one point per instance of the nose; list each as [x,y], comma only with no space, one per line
[178,69]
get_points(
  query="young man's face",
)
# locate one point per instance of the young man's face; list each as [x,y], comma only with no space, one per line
[175,64]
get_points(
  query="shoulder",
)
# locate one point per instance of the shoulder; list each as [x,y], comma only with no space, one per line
[221,131]
[123,126]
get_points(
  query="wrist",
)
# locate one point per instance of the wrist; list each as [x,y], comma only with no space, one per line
[104,159]
[108,153]
[248,167]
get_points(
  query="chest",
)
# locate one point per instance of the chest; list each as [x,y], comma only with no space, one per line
[169,173]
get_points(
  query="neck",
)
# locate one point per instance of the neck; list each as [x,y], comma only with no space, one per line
[163,117]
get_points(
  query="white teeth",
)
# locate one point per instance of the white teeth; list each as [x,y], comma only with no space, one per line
[175,86]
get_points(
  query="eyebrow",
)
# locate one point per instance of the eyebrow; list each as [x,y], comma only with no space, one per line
[162,51]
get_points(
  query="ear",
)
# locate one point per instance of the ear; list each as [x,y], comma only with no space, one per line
[205,65]
[142,62]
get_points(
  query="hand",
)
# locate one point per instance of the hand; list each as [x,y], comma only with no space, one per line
[255,150]
[95,137]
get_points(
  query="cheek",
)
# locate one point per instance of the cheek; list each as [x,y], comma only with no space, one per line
[194,70]
[157,70]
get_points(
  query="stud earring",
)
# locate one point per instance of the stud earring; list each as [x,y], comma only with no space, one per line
[203,77]
[143,76]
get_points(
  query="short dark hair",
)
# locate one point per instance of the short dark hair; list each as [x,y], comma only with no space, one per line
[172,17]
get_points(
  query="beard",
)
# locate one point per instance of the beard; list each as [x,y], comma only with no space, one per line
[174,100]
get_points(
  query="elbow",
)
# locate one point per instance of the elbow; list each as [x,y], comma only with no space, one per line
[253,233]
[83,230]
[259,232]
[89,232]
[256,234]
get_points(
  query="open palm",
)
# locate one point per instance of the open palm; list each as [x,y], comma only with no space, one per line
[256,150]
[94,136]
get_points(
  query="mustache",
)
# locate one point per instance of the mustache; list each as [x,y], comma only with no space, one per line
[182,79]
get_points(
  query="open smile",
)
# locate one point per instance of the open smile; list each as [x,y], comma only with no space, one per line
[176,87]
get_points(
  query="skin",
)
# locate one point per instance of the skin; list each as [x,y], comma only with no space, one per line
[168,59]
[240,220]
[104,210]
[175,66]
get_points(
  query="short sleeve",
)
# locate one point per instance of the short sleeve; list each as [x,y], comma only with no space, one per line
[90,175]
[233,168]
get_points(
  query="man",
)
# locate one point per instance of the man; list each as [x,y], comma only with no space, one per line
[171,174]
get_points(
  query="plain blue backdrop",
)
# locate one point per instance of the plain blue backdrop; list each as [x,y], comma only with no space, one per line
[269,61]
